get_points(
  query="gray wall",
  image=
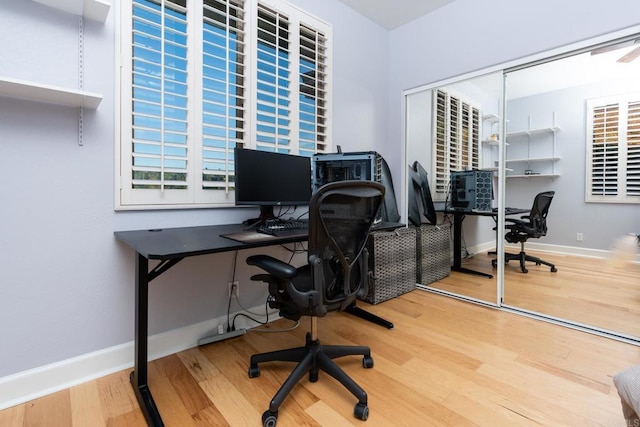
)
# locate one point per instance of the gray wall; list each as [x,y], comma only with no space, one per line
[66,283]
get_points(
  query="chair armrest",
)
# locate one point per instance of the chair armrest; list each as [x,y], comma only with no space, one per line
[273,266]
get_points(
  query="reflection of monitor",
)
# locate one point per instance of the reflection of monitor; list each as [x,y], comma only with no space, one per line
[269,179]
[419,190]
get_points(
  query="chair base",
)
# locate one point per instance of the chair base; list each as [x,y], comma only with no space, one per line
[523,258]
[312,358]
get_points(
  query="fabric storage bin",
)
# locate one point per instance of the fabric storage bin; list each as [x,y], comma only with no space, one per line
[433,252]
[392,264]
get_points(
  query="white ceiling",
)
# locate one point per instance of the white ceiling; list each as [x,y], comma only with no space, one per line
[394,13]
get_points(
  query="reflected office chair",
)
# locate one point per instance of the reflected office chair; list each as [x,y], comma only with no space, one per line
[529,226]
[340,218]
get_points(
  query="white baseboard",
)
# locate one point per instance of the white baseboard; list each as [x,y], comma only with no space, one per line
[34,383]
[543,247]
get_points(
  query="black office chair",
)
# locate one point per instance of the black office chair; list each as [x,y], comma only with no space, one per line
[529,226]
[340,217]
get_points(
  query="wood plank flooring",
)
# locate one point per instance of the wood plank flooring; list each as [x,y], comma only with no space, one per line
[446,363]
[592,291]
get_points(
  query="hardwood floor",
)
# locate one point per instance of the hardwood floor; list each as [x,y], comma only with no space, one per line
[592,291]
[446,363]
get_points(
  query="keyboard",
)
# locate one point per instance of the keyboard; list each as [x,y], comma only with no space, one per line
[284,227]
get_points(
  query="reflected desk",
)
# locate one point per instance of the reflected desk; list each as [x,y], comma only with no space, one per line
[171,245]
[459,215]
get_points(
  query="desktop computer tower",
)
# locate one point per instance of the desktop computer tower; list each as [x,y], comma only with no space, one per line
[357,166]
[345,167]
[472,190]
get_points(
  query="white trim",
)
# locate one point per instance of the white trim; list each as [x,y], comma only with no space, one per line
[542,247]
[43,380]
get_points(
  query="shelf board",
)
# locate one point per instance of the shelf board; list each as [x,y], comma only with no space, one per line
[533,159]
[92,9]
[22,89]
[552,129]
[493,142]
[539,175]
[493,118]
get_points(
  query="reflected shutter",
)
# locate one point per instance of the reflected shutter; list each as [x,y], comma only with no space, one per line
[456,137]
[605,150]
[633,149]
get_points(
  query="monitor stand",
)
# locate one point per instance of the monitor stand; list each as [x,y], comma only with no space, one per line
[266,212]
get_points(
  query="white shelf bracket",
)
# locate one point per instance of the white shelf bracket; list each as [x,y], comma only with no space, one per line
[81,77]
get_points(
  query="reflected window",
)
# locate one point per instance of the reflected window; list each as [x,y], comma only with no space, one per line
[613,151]
[456,139]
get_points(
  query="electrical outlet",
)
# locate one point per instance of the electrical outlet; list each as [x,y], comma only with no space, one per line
[220,329]
[234,289]
[579,237]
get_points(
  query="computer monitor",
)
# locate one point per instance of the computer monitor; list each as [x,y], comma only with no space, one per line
[268,179]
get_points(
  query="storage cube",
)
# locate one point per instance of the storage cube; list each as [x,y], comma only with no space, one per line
[434,253]
[392,264]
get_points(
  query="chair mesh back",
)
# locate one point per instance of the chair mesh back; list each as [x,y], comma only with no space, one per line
[539,211]
[340,217]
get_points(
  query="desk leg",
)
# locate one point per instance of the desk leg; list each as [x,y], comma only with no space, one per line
[457,248]
[139,376]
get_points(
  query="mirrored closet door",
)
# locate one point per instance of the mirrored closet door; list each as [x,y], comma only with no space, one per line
[456,128]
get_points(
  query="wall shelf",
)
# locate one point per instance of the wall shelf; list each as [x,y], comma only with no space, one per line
[528,144]
[533,159]
[92,9]
[535,175]
[49,94]
[532,132]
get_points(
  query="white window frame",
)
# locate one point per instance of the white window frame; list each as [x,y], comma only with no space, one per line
[194,196]
[625,136]
[442,163]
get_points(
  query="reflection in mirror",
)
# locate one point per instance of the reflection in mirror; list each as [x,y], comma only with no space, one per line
[573,127]
[457,128]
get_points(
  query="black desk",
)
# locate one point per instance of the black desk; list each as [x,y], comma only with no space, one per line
[169,246]
[459,216]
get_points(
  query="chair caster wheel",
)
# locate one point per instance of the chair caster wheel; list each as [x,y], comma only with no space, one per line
[254,371]
[367,362]
[524,270]
[313,377]
[361,411]
[553,269]
[494,263]
[269,419]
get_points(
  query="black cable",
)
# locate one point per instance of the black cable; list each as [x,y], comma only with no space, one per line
[233,279]
[266,311]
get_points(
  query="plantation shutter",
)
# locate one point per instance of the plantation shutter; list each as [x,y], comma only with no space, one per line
[200,78]
[456,137]
[613,151]
[605,150]
[223,90]
[313,92]
[159,95]
[633,149]
[273,123]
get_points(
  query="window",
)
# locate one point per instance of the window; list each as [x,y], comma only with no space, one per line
[613,151]
[456,135]
[199,78]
